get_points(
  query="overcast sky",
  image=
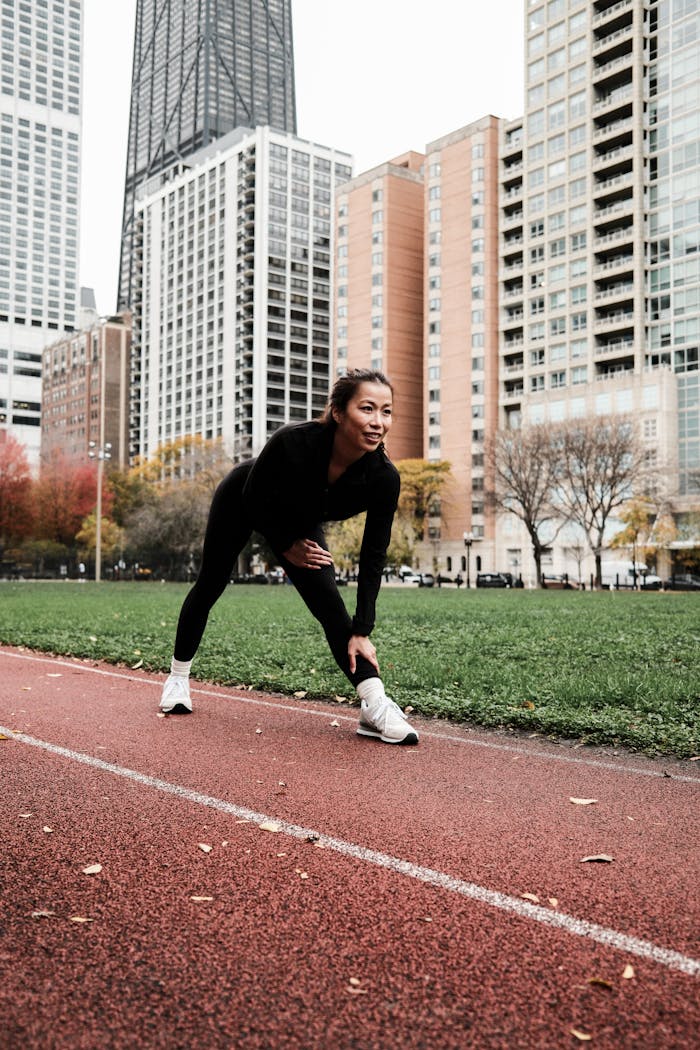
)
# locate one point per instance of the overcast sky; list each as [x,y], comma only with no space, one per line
[373,77]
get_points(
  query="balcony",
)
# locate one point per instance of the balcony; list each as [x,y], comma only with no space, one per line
[614,321]
[614,11]
[615,346]
[616,263]
[624,290]
[615,236]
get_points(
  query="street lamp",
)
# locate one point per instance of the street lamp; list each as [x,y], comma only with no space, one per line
[468,540]
[101,454]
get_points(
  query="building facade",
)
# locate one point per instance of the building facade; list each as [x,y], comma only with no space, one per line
[379,288]
[199,71]
[233,303]
[85,392]
[40,102]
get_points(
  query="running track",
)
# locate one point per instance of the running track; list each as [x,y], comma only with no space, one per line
[387,910]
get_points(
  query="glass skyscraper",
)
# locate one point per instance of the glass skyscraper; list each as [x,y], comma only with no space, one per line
[199,71]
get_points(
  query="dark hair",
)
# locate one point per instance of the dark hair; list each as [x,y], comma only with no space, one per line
[345,387]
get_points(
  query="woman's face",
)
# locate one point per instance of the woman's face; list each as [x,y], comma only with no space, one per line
[368,416]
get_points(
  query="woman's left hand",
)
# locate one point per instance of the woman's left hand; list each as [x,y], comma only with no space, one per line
[359,645]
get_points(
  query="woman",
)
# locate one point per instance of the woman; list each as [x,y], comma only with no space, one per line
[326,470]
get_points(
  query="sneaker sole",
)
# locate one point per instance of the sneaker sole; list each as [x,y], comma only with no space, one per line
[410,738]
[177,709]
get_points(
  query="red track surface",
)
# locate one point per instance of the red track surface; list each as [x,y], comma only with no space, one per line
[343,943]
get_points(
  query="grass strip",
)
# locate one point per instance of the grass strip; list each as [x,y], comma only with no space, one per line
[619,669]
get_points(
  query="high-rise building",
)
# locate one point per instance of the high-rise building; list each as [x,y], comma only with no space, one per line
[461,330]
[233,301]
[199,71]
[600,218]
[40,100]
[85,392]
[379,288]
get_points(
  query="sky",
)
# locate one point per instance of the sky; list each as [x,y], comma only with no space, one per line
[374,78]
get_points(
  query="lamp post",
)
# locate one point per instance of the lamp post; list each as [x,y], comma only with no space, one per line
[468,540]
[101,454]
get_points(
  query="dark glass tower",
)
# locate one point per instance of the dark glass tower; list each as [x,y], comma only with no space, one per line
[201,68]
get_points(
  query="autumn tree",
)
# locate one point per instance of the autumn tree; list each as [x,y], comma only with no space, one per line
[112,538]
[168,530]
[601,466]
[202,461]
[65,493]
[524,469]
[15,492]
[422,484]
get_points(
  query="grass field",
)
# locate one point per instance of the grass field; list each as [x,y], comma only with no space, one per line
[611,668]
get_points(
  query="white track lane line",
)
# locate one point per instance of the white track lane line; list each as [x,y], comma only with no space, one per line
[524,909]
[242,698]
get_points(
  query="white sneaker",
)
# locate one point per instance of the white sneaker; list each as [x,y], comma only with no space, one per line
[176,696]
[385,721]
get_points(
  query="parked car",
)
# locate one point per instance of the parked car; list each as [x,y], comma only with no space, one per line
[494,579]
[684,581]
[423,579]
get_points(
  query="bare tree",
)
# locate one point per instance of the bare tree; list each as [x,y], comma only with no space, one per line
[602,465]
[525,476]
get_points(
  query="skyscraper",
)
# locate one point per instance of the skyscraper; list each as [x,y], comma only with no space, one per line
[233,295]
[199,71]
[40,55]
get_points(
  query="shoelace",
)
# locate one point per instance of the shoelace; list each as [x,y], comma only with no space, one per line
[385,706]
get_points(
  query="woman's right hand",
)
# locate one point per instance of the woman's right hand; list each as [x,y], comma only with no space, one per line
[307,554]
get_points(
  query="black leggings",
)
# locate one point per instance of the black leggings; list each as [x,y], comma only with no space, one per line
[228,531]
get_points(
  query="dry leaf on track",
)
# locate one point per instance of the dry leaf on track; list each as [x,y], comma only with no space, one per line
[48,830]
[92,869]
[269,825]
[135,667]
[601,858]
[583,1037]
[79,919]
[42,914]
[600,982]
[300,694]
[583,801]
[628,972]
[199,900]
[530,897]
[205,847]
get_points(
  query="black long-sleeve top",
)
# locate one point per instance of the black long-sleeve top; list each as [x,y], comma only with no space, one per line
[287,494]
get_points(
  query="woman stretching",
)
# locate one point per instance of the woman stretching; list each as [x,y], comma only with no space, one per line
[309,473]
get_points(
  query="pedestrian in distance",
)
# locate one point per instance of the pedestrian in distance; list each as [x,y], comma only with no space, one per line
[308,473]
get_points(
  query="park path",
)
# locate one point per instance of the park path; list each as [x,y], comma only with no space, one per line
[428,897]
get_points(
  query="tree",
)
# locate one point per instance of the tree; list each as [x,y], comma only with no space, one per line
[190,458]
[422,484]
[523,465]
[65,494]
[111,540]
[601,465]
[166,531]
[15,492]
[636,516]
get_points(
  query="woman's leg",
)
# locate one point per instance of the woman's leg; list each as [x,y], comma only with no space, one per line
[320,593]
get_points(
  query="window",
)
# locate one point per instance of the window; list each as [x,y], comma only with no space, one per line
[579,375]
[556,221]
[536,383]
[578,241]
[557,300]
[579,322]
[577,162]
[557,326]
[557,247]
[579,294]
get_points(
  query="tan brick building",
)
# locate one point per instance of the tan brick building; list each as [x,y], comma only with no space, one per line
[379,288]
[85,392]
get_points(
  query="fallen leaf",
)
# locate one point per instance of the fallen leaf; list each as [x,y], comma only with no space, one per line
[584,1037]
[27,688]
[425,918]
[355,982]
[335,725]
[204,847]
[258,731]
[344,700]
[25,815]
[225,842]
[79,918]
[530,897]
[695,758]
[583,801]
[357,991]
[408,710]
[313,836]
[49,831]
[301,874]
[3,737]
[92,869]
[300,694]
[269,825]
[599,982]
[528,704]
[92,637]
[42,914]
[54,676]
[135,667]
[199,900]
[628,972]
[603,858]
[553,901]
[160,714]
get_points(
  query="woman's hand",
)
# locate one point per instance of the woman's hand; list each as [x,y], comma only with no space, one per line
[359,645]
[307,554]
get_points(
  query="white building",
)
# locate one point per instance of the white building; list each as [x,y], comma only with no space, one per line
[600,221]
[233,295]
[40,100]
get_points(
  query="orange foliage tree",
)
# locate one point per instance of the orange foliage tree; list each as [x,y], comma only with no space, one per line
[15,492]
[65,493]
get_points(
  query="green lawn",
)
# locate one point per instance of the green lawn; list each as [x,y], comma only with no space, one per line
[613,668]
